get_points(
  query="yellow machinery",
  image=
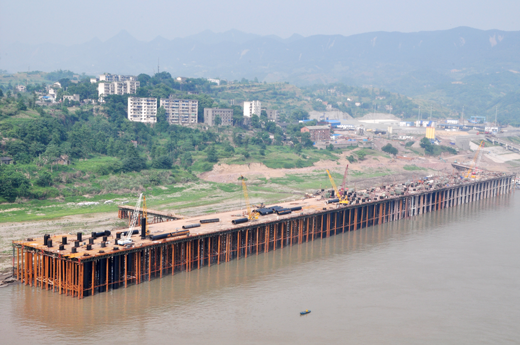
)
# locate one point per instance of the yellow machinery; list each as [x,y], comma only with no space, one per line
[474,162]
[342,199]
[251,215]
[430,132]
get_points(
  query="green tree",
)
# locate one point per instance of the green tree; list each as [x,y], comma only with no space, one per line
[390,149]
[427,146]
[218,120]
[132,161]
[186,160]
[162,121]
[212,155]
[21,105]
[255,121]
[143,79]
[238,115]
[351,159]
[361,155]
[300,114]
[44,179]
[162,162]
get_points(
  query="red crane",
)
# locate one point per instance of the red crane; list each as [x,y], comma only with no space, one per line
[343,190]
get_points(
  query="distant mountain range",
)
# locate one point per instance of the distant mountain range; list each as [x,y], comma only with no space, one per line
[398,61]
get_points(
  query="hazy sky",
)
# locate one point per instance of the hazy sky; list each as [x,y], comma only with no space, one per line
[72,21]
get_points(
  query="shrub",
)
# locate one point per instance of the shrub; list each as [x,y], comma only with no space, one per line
[44,180]
[390,149]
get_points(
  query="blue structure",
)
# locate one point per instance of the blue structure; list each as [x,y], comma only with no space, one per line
[333,123]
[477,119]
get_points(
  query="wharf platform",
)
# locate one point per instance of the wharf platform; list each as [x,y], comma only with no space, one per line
[124,212]
[99,264]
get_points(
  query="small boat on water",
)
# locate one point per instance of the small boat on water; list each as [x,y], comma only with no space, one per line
[305,312]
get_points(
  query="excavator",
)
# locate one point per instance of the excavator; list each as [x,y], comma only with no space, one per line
[251,215]
[343,200]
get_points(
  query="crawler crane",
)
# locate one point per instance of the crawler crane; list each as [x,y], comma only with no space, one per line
[133,221]
[343,200]
[251,215]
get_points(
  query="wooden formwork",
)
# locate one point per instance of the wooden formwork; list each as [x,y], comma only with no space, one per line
[86,276]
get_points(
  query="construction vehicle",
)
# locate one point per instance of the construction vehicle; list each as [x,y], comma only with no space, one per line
[251,215]
[472,170]
[133,222]
[342,199]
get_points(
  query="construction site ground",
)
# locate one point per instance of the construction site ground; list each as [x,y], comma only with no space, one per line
[266,185]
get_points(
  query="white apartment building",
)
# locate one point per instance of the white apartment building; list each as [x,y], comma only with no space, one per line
[142,109]
[252,108]
[181,111]
[115,77]
[118,88]
[216,81]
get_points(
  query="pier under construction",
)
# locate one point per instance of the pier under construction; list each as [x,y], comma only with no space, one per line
[81,265]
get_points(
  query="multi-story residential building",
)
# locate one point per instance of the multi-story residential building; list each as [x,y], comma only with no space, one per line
[272,115]
[181,111]
[317,132]
[115,77]
[73,98]
[226,116]
[107,77]
[118,88]
[20,88]
[142,109]
[252,108]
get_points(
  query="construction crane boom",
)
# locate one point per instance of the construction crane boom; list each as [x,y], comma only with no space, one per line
[344,180]
[128,238]
[342,200]
[474,162]
[250,214]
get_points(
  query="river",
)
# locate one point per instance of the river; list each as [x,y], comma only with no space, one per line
[448,277]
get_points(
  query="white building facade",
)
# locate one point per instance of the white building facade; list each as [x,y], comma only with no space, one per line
[142,109]
[118,88]
[181,111]
[252,108]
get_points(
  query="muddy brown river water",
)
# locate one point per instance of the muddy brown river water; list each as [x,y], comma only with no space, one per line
[448,277]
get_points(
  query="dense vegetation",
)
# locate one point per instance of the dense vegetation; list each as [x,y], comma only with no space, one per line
[100,142]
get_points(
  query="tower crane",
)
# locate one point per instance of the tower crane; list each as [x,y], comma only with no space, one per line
[475,161]
[342,199]
[251,215]
[133,222]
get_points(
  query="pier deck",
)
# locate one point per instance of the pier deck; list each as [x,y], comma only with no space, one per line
[100,264]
